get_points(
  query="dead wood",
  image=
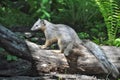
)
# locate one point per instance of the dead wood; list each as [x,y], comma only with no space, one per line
[50,60]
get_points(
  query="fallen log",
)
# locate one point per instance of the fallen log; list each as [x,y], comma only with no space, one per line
[13,44]
[52,77]
[50,60]
[42,60]
[14,68]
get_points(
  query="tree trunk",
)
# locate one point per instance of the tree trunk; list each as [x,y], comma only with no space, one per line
[51,60]
[13,44]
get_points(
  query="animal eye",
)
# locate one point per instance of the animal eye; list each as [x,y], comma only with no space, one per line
[36,25]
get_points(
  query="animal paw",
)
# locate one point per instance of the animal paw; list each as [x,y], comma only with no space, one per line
[66,53]
[43,46]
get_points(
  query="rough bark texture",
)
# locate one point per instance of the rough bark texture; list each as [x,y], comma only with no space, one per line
[42,60]
[13,44]
[14,68]
[52,77]
[51,60]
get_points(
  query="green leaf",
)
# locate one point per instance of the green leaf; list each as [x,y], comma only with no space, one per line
[14,58]
[46,13]
[9,57]
[117,42]
[44,1]
[2,49]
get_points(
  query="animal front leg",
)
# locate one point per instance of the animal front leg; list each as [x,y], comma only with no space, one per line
[47,43]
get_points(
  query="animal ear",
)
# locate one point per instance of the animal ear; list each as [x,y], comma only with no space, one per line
[38,19]
[42,22]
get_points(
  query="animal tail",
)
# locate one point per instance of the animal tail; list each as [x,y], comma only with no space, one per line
[106,65]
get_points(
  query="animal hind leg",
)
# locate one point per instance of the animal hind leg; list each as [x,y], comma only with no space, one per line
[68,49]
[61,45]
[65,47]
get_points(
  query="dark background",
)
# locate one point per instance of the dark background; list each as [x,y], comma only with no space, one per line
[97,20]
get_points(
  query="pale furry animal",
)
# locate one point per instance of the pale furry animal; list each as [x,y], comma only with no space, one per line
[60,33]
[67,38]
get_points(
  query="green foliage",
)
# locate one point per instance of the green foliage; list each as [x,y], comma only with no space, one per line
[13,13]
[34,39]
[98,34]
[117,42]
[11,58]
[1,49]
[7,55]
[52,47]
[83,35]
[40,8]
[75,12]
[83,16]
[12,17]
[37,36]
[111,13]
[97,20]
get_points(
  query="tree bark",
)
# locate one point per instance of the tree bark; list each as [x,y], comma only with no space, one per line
[13,44]
[52,77]
[81,61]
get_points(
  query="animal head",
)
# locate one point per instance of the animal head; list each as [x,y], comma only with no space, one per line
[38,25]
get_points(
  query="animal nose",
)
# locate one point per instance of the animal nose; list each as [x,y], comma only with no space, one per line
[32,29]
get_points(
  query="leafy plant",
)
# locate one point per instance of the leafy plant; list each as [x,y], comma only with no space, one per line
[83,35]
[12,17]
[117,42]
[111,13]
[11,57]
[98,33]
[11,13]
[7,55]
[40,8]
[77,13]
[88,19]
[1,49]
